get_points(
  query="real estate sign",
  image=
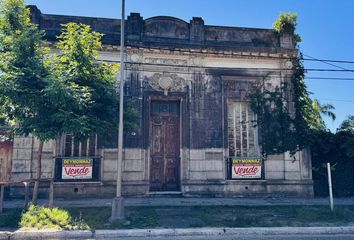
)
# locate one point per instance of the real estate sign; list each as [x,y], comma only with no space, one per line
[77,168]
[243,168]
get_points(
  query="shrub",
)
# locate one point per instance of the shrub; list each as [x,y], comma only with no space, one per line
[46,218]
[286,23]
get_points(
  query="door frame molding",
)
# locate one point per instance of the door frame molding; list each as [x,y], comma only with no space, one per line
[148,132]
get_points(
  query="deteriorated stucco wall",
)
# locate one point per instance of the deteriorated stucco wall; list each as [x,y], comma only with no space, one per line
[25,154]
[209,65]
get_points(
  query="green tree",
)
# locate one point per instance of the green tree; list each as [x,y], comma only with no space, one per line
[347,125]
[337,149]
[25,75]
[282,130]
[77,66]
[49,95]
[320,110]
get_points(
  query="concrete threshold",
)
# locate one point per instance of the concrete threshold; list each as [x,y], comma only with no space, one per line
[187,232]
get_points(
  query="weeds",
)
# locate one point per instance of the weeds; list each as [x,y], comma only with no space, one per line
[47,218]
[172,217]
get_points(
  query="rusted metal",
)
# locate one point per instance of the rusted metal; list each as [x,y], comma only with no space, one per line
[11,182]
[26,183]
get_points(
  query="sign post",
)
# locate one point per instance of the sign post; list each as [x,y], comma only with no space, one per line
[118,201]
[330,186]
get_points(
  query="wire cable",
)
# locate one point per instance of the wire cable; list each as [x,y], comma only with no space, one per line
[325,62]
[337,100]
[250,69]
[330,78]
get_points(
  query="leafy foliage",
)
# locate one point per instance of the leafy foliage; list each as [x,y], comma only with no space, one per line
[348,124]
[46,218]
[25,74]
[324,109]
[78,69]
[78,66]
[48,95]
[306,117]
[273,118]
[310,131]
[286,23]
[337,149]
[284,129]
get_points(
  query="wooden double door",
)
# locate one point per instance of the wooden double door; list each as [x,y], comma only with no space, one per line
[165,146]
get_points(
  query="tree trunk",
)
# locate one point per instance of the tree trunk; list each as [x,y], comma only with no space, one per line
[39,172]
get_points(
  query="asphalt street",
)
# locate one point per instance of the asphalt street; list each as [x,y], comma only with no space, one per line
[253,237]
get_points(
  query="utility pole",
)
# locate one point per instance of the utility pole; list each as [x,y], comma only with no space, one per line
[118,201]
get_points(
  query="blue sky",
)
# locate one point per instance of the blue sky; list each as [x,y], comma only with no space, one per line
[326,28]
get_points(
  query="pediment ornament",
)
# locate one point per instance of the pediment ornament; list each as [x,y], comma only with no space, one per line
[167,83]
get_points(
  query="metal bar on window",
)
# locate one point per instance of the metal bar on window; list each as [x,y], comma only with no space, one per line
[241,137]
[247,132]
[234,129]
[255,129]
[72,146]
[96,140]
[87,146]
[62,145]
[80,146]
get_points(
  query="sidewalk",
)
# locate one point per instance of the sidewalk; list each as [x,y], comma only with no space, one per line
[181,201]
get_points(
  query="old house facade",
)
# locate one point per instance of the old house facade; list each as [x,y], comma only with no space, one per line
[197,133]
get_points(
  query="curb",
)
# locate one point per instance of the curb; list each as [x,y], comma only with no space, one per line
[5,235]
[46,235]
[107,234]
[143,233]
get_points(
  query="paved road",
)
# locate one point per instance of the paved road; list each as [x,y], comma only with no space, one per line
[254,237]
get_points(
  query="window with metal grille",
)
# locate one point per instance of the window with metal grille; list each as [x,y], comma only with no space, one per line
[75,148]
[242,130]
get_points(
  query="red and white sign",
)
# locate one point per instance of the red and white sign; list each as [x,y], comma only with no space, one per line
[77,169]
[246,168]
